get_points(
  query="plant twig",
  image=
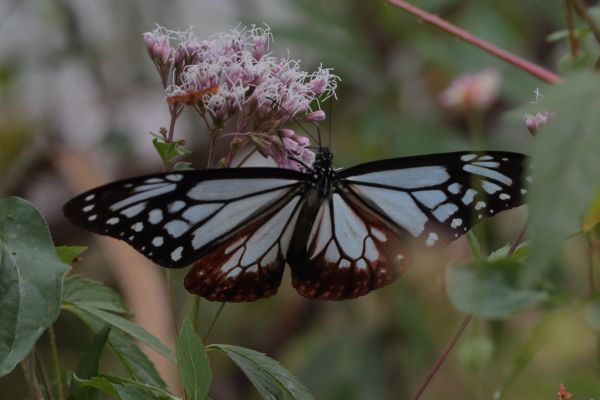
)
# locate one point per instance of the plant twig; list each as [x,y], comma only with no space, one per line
[169,283]
[441,358]
[573,42]
[465,322]
[213,322]
[56,363]
[585,16]
[524,65]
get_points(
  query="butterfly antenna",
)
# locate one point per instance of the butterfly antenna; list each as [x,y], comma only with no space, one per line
[329,123]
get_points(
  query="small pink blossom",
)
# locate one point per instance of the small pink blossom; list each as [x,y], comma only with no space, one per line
[534,122]
[315,116]
[472,92]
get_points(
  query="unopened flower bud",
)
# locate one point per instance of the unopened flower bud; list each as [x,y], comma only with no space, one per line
[472,91]
[534,122]
[315,116]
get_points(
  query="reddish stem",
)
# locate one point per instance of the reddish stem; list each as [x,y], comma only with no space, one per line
[441,358]
[524,65]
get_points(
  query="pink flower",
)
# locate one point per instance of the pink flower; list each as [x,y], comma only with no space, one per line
[472,91]
[534,122]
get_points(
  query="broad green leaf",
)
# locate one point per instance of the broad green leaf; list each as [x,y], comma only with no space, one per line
[194,366]
[124,389]
[131,329]
[566,168]
[272,380]
[82,292]
[591,217]
[488,289]
[520,253]
[31,280]
[88,366]
[136,363]
[68,254]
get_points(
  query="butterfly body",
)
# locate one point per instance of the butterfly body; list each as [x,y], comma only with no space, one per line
[343,233]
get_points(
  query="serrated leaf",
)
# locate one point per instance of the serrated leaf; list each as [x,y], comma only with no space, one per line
[194,366]
[566,165]
[268,376]
[31,280]
[131,329]
[137,364]
[82,292]
[488,289]
[68,254]
[124,389]
[591,218]
[88,365]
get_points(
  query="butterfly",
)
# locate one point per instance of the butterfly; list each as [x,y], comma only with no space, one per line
[343,233]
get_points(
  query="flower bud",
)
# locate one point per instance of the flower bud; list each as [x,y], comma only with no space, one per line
[534,122]
[315,116]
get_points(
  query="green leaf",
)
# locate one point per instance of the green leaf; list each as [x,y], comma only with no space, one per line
[131,329]
[591,218]
[125,389]
[82,292]
[69,254]
[31,280]
[272,380]
[88,366]
[566,165]
[168,151]
[182,166]
[193,363]
[520,253]
[488,289]
[136,363]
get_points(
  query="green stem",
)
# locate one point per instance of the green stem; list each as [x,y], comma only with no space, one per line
[195,311]
[573,41]
[169,283]
[32,385]
[214,321]
[44,372]
[56,363]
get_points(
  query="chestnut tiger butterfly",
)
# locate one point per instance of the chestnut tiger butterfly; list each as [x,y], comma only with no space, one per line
[343,233]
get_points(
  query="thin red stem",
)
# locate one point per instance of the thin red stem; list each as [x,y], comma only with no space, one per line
[441,358]
[529,67]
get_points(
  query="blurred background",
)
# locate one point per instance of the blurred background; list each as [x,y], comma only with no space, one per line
[78,96]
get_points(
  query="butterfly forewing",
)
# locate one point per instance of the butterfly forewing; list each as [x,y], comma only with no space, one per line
[175,219]
[432,200]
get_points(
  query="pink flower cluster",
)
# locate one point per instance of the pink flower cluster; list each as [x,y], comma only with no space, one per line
[233,75]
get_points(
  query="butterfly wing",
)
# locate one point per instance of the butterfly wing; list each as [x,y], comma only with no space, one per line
[213,218]
[360,236]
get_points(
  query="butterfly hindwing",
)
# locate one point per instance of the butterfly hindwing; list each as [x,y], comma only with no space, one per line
[249,265]
[349,252]
[176,218]
[432,200]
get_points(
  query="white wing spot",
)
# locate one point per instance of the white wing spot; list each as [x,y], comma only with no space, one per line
[234,272]
[489,164]
[233,260]
[133,210]
[490,188]
[529,179]
[176,206]
[523,191]
[332,254]
[361,264]
[158,241]
[456,222]
[138,226]
[253,269]
[176,254]
[488,173]
[468,157]
[155,216]
[486,157]
[92,217]
[454,188]
[112,221]
[153,180]
[174,177]
[431,239]
[90,197]
[469,196]
[378,234]
[371,252]
[479,205]
[430,198]
[88,208]
[131,238]
[504,196]
[176,227]
[345,263]
[444,211]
